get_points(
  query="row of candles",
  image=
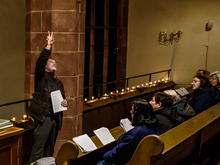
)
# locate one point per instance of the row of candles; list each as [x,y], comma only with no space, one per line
[24,118]
[128,89]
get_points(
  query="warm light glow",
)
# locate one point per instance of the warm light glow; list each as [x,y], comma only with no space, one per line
[127,88]
[142,85]
[132,87]
[158,80]
[122,90]
[13,119]
[162,79]
[92,97]
[111,93]
[155,82]
[146,83]
[25,117]
[116,91]
[167,79]
[105,94]
[85,99]
[150,83]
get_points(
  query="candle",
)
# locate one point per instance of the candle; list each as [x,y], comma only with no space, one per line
[167,79]
[162,79]
[105,94]
[25,116]
[142,85]
[158,80]
[150,83]
[92,97]
[116,91]
[155,82]
[13,119]
[111,93]
[127,88]
[132,87]
[85,99]
[146,83]
[122,90]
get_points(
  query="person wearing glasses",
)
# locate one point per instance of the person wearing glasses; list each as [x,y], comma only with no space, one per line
[202,97]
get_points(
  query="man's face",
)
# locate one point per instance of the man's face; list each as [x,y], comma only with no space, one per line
[51,66]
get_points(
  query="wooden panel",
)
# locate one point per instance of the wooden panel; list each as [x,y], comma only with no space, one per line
[5,155]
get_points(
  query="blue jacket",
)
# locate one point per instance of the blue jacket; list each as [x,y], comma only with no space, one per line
[203,101]
[127,143]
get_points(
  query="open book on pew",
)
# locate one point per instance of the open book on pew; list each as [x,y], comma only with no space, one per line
[84,143]
[182,91]
[126,124]
[104,135]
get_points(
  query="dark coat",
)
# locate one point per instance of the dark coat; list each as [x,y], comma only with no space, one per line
[170,117]
[45,83]
[215,93]
[127,143]
[203,101]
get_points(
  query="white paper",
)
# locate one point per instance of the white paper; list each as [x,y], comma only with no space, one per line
[180,92]
[126,124]
[56,99]
[84,143]
[104,135]
[184,91]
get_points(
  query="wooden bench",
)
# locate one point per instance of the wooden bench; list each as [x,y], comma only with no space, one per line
[171,147]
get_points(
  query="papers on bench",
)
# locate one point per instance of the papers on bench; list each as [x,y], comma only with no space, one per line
[182,91]
[104,135]
[56,99]
[84,143]
[4,123]
[126,124]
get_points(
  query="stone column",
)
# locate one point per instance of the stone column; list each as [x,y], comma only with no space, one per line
[67,20]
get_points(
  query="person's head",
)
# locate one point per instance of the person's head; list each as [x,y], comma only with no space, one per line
[51,65]
[201,72]
[174,95]
[207,73]
[199,82]
[161,100]
[142,114]
[214,78]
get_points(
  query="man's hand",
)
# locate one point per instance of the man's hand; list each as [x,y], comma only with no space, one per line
[64,103]
[50,40]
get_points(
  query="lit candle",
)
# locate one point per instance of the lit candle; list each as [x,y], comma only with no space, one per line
[155,82]
[85,99]
[150,83]
[146,83]
[162,79]
[25,116]
[116,91]
[111,93]
[122,90]
[132,87]
[13,119]
[127,88]
[158,80]
[167,79]
[105,94]
[142,85]
[92,97]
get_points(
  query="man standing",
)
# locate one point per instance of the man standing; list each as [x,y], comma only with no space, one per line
[47,123]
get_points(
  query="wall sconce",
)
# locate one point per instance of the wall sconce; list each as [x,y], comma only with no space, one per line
[164,40]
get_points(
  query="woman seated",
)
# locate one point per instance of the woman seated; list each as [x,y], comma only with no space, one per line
[144,122]
[214,78]
[166,115]
[202,97]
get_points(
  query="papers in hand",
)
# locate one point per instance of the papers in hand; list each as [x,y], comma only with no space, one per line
[56,99]
[182,91]
[84,143]
[104,135]
[126,124]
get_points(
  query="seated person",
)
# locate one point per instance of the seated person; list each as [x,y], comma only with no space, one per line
[166,116]
[201,72]
[202,97]
[144,122]
[214,85]
[184,110]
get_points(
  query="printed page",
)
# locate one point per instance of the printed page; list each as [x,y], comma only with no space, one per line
[184,91]
[84,143]
[56,99]
[180,92]
[3,121]
[126,124]
[104,135]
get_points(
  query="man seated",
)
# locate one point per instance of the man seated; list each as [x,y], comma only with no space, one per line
[184,110]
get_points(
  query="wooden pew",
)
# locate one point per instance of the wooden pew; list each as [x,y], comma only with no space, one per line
[169,148]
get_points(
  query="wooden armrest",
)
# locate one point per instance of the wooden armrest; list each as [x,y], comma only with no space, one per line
[68,150]
[150,146]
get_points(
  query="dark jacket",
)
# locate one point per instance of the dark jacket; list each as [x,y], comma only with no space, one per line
[203,101]
[127,143]
[45,83]
[215,93]
[167,119]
